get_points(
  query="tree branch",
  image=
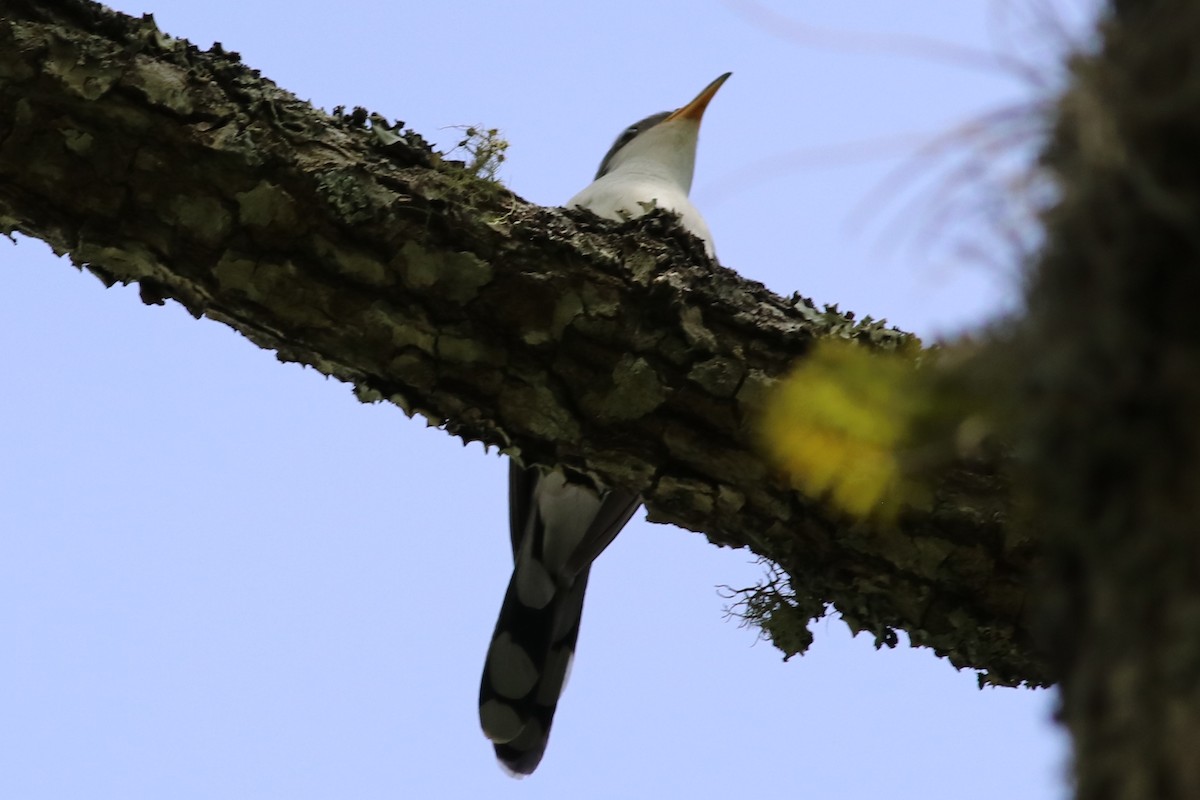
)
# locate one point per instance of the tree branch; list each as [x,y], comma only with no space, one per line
[618,350]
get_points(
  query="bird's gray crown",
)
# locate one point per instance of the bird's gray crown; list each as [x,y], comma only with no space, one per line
[627,136]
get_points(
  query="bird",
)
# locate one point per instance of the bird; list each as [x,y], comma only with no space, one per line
[559,522]
[651,165]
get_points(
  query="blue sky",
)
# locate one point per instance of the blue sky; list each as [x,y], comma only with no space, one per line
[221,576]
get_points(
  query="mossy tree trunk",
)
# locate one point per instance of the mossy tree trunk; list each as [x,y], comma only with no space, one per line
[1114,396]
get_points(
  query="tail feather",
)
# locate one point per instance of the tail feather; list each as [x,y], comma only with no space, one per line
[525,670]
[558,527]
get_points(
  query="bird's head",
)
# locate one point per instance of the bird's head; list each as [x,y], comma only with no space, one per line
[663,142]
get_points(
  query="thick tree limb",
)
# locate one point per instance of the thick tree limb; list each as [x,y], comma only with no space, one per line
[618,350]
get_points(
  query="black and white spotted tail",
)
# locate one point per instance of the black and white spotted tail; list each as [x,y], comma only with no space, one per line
[558,527]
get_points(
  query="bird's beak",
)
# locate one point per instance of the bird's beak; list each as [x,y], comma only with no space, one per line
[695,109]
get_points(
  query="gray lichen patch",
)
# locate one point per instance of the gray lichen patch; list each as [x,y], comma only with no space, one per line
[643,265]
[671,492]
[692,324]
[418,267]
[234,139]
[600,301]
[234,273]
[273,284]
[467,350]
[729,500]
[413,336]
[719,376]
[542,411]
[130,261]
[400,331]
[630,473]
[367,394]
[636,391]
[360,266]
[82,74]
[416,370]
[164,85]
[205,218]
[459,275]
[751,396]
[78,142]
[266,206]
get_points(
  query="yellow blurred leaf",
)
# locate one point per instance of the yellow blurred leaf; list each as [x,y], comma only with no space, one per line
[838,424]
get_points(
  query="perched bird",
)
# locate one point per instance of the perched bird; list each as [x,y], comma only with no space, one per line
[651,165]
[560,524]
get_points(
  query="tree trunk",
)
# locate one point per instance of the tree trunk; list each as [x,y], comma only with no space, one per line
[1114,428]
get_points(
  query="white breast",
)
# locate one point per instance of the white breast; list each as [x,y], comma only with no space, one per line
[620,195]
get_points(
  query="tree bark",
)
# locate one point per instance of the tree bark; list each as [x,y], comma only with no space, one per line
[1114,423]
[618,350]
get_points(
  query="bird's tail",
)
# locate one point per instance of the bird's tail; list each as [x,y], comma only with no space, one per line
[527,664]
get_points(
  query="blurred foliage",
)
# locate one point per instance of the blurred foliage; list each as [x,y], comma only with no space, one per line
[869,429]
[836,424]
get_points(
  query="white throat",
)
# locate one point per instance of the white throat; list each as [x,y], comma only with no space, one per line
[666,152]
[653,170]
